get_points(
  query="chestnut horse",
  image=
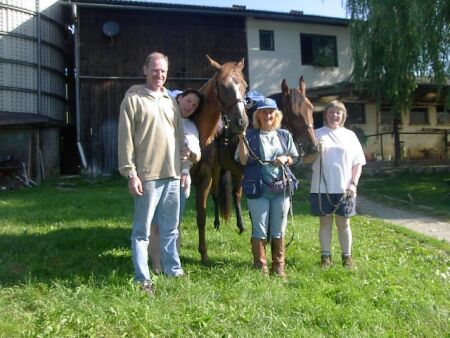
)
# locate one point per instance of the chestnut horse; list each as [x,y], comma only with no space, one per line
[298,116]
[221,118]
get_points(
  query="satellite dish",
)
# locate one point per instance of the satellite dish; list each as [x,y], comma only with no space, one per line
[111,28]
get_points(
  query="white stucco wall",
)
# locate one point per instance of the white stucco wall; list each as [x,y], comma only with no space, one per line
[268,68]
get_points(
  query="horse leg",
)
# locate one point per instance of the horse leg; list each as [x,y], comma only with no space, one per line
[201,220]
[201,197]
[222,195]
[238,209]
[237,198]
[215,190]
[216,212]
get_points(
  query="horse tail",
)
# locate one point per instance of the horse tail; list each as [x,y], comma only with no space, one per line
[225,193]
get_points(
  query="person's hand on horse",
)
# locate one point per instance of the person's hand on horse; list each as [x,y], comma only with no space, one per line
[135,186]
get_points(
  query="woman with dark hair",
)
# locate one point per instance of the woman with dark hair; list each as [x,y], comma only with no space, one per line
[189,103]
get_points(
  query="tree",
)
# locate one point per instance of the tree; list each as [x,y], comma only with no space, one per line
[396,44]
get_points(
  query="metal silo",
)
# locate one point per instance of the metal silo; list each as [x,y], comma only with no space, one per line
[32,62]
[32,82]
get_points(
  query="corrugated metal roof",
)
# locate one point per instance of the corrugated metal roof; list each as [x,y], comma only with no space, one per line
[26,119]
[293,16]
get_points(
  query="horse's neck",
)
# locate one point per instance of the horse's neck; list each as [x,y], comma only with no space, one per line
[208,128]
[208,120]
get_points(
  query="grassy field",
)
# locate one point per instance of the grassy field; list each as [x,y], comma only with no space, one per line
[65,271]
[424,193]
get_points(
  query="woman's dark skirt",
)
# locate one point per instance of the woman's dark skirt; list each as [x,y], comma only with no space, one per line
[329,202]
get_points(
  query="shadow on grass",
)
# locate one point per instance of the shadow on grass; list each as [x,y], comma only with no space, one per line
[77,253]
[63,254]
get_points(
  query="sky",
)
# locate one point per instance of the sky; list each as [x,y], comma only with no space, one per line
[331,8]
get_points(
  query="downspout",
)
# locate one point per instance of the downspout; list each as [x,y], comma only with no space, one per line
[36,159]
[38,57]
[77,87]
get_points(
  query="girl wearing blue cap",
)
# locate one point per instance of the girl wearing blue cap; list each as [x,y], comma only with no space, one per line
[264,151]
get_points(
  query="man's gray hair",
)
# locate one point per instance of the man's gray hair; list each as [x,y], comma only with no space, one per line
[155,56]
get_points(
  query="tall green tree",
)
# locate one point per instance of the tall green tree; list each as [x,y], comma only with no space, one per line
[398,43]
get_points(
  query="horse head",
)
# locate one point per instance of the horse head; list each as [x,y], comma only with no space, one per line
[230,87]
[298,116]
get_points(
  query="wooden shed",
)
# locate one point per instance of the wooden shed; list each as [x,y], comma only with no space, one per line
[112,40]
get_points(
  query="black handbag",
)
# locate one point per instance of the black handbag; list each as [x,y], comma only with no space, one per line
[288,183]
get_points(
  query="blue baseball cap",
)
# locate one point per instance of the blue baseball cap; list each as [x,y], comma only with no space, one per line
[267,104]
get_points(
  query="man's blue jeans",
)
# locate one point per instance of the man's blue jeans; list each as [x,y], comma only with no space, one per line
[160,204]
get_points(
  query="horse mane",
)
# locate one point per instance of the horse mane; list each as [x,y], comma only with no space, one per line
[207,119]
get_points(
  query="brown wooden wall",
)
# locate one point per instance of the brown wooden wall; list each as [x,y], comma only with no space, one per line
[185,38]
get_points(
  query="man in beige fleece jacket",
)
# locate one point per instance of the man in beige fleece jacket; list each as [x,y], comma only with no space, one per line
[150,147]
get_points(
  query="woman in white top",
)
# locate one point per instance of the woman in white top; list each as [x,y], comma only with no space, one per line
[189,103]
[336,172]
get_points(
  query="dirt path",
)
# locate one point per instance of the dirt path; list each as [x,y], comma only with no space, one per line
[423,224]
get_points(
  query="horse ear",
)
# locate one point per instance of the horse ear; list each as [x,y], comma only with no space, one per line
[302,85]
[284,87]
[241,64]
[214,63]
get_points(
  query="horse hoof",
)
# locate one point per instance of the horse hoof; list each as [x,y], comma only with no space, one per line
[241,230]
[204,260]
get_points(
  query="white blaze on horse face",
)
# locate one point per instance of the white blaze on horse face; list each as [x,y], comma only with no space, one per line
[239,97]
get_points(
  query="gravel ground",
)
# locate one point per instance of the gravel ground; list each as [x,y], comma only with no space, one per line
[423,224]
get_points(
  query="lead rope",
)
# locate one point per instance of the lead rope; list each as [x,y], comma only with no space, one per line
[319,195]
[291,206]
[286,189]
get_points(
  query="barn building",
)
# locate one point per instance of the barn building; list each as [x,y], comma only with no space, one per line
[103,46]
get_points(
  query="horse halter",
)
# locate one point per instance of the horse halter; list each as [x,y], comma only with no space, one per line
[296,134]
[299,131]
[224,106]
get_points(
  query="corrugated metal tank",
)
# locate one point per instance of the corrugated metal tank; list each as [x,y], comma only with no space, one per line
[32,61]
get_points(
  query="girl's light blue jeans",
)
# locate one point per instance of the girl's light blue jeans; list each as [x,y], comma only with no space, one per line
[269,215]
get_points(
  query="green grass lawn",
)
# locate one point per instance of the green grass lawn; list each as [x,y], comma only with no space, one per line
[66,271]
[425,193]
